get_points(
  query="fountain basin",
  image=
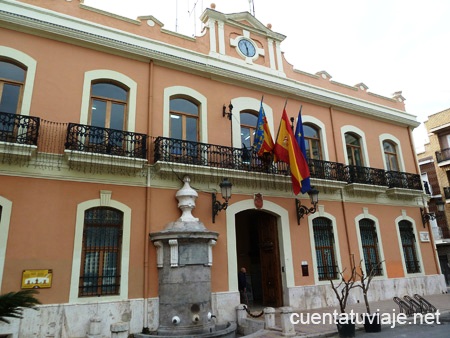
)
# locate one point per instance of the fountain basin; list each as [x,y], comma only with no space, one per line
[227,330]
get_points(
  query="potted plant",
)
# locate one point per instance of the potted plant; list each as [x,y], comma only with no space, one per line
[371,320]
[345,323]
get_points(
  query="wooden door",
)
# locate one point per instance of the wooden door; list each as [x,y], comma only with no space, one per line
[270,261]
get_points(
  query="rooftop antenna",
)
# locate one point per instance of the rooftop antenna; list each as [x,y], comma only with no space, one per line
[251,4]
[176,16]
[194,11]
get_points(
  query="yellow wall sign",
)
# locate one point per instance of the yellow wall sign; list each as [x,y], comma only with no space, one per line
[37,279]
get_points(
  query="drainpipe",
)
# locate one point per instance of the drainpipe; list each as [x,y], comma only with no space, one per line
[342,190]
[147,200]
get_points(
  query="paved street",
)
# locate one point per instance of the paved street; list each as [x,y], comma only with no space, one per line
[411,330]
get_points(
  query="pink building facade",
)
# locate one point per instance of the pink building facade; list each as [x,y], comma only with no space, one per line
[101,117]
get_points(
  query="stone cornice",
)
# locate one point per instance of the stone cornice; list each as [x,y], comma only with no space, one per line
[43,22]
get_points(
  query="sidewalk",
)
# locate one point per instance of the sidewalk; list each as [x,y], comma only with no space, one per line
[388,307]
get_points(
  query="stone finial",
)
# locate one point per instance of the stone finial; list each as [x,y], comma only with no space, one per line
[398,96]
[186,197]
[269,25]
[213,5]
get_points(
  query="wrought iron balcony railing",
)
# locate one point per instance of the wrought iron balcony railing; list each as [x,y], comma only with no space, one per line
[211,155]
[106,141]
[20,129]
[327,170]
[443,155]
[196,153]
[396,179]
[365,175]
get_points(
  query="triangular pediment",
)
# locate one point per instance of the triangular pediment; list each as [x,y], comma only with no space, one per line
[243,20]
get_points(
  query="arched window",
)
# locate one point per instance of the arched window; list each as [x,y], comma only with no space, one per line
[101,252]
[184,116]
[12,81]
[248,127]
[108,105]
[369,243]
[354,150]
[312,142]
[390,155]
[327,267]
[408,240]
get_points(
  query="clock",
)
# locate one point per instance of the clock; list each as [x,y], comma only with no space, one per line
[247,47]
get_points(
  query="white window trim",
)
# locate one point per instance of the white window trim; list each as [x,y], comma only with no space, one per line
[366,214]
[78,248]
[105,74]
[203,109]
[362,135]
[321,213]
[31,65]
[322,133]
[418,251]
[4,229]
[246,103]
[398,149]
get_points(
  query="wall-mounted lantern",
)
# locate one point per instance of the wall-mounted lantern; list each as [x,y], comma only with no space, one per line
[225,190]
[303,210]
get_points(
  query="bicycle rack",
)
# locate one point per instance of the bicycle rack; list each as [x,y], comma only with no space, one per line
[404,307]
[427,306]
[416,306]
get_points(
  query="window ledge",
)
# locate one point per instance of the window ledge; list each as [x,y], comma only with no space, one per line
[103,159]
[444,163]
[17,149]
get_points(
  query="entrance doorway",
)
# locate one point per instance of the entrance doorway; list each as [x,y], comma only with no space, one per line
[257,249]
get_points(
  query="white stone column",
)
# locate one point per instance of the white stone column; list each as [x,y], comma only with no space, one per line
[120,330]
[287,328]
[269,317]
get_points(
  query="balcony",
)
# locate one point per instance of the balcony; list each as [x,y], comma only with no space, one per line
[18,134]
[443,157]
[105,146]
[216,156]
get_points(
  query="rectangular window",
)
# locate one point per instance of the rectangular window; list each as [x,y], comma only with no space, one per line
[102,242]
[409,247]
[369,243]
[324,245]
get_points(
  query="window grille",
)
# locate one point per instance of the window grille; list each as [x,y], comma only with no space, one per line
[369,243]
[101,256]
[409,247]
[325,252]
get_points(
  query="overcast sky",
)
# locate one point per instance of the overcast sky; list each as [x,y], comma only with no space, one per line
[389,45]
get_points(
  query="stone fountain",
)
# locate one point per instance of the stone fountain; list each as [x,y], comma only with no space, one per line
[184,260]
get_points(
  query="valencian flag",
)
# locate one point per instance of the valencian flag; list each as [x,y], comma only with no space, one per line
[263,142]
[300,138]
[287,150]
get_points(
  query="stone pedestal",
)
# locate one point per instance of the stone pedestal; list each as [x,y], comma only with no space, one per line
[184,258]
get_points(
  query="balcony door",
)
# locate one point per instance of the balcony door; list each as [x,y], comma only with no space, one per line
[12,79]
[184,127]
[107,114]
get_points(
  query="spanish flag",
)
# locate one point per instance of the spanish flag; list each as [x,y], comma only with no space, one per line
[287,150]
[263,142]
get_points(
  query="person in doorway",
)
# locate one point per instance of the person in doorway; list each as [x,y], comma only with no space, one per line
[242,284]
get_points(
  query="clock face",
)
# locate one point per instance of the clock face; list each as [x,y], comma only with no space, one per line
[246,47]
